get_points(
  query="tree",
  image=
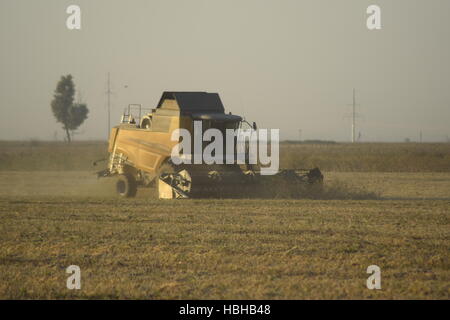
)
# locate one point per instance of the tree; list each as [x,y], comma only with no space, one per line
[70,114]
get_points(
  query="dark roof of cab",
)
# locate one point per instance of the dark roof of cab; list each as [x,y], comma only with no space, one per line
[194,101]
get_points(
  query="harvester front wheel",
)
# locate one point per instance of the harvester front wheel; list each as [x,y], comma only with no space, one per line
[126,186]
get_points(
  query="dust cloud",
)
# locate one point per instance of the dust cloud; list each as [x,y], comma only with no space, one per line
[86,184]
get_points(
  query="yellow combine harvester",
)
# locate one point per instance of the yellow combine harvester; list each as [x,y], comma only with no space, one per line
[140,150]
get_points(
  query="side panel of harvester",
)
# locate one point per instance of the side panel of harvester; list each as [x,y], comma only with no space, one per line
[141,148]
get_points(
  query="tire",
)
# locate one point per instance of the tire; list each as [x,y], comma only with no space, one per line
[126,186]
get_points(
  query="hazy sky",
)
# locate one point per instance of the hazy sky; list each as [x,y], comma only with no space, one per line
[284,64]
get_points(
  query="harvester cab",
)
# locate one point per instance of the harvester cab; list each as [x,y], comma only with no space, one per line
[141,147]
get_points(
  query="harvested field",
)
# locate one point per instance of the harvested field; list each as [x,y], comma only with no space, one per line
[146,248]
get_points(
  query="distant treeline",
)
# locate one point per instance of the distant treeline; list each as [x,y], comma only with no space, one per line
[309,142]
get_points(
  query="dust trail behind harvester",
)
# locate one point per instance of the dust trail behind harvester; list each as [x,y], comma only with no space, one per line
[86,184]
[54,183]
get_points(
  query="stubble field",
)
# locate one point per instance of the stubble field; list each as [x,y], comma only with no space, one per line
[53,216]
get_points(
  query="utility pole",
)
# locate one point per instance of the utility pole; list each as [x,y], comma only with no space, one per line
[353,117]
[108,93]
